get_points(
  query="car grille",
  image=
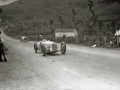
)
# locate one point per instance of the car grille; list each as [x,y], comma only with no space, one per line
[54,47]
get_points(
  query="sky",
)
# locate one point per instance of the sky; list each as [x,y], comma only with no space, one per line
[5,2]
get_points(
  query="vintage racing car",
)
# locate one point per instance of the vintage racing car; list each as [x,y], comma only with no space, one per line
[24,39]
[46,46]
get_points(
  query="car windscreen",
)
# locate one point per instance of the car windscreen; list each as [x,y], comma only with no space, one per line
[44,40]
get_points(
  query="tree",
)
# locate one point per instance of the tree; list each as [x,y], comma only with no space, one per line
[73,12]
[73,17]
[0,10]
[112,24]
[34,26]
[100,24]
[51,22]
[90,4]
[60,20]
[0,15]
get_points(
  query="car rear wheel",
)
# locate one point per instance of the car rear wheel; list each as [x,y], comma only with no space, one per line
[63,47]
[35,47]
[43,50]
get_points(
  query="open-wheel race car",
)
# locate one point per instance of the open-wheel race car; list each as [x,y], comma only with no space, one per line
[24,39]
[47,47]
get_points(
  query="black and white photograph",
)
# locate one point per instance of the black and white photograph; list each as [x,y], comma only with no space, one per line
[59,44]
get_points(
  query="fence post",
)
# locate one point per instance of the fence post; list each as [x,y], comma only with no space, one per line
[117,40]
[84,39]
[77,39]
[92,40]
[105,40]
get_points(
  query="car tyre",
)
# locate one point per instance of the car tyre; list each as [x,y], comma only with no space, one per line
[35,47]
[63,47]
[43,49]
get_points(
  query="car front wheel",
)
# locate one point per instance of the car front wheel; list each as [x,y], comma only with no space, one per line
[43,50]
[35,47]
[63,47]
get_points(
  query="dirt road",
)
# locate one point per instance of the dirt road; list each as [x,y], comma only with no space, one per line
[81,68]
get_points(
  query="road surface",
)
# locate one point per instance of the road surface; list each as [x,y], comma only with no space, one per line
[81,68]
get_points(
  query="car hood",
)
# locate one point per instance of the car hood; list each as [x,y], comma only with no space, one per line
[48,42]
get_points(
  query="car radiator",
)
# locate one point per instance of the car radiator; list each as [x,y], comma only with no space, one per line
[54,47]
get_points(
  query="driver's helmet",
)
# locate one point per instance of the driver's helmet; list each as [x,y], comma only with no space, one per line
[41,37]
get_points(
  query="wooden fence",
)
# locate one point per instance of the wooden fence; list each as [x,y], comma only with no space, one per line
[88,40]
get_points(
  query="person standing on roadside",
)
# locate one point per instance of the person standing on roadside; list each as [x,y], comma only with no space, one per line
[0,33]
[117,36]
[2,51]
[0,48]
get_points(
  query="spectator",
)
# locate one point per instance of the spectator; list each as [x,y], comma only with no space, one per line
[2,52]
[117,36]
[0,32]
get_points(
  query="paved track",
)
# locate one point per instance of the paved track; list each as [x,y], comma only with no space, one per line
[81,68]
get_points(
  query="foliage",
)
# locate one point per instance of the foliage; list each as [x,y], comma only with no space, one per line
[52,16]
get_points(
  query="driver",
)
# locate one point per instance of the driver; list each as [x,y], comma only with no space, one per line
[41,37]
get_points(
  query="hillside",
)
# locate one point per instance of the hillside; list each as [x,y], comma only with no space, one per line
[41,7]
[37,7]
[27,12]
